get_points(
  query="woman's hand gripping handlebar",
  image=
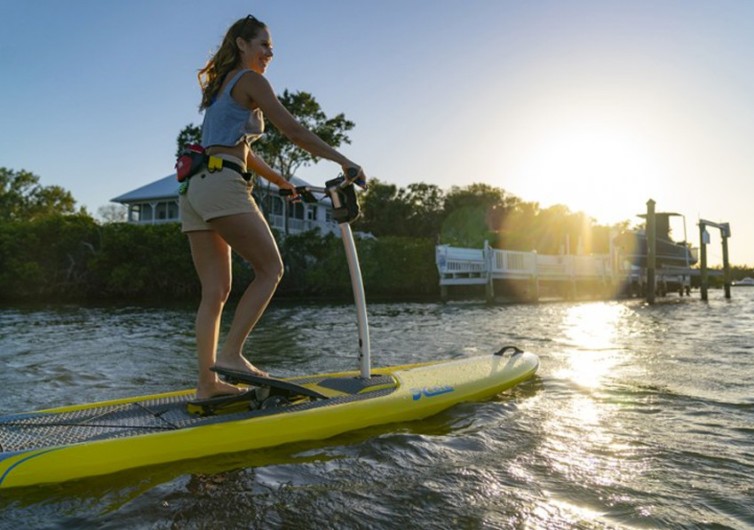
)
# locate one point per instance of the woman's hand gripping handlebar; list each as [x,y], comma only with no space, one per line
[355,175]
[340,191]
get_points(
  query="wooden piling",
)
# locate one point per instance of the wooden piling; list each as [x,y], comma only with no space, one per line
[489,288]
[651,251]
[725,232]
[703,239]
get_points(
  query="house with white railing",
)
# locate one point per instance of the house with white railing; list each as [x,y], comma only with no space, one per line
[157,202]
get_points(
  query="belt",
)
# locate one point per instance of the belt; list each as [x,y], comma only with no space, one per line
[215,163]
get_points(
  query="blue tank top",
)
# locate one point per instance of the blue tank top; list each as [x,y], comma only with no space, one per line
[226,122]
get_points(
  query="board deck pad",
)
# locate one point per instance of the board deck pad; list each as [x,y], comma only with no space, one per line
[26,431]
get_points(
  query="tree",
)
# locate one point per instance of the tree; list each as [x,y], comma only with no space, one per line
[112,213]
[426,203]
[473,214]
[285,156]
[391,211]
[22,198]
[383,210]
[190,134]
[475,195]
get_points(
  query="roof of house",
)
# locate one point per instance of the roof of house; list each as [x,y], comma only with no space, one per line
[164,188]
[167,188]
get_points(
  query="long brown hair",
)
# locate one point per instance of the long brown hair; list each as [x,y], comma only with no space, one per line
[226,58]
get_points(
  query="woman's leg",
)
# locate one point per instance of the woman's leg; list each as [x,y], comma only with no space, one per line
[211,257]
[249,235]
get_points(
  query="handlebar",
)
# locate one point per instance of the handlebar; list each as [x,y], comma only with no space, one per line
[341,182]
[339,190]
[305,192]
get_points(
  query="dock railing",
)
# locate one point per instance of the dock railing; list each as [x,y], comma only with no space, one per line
[566,274]
[466,266]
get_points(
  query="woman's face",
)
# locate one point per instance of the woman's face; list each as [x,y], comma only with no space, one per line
[256,53]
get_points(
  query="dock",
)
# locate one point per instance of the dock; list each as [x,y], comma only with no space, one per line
[657,267]
[529,276]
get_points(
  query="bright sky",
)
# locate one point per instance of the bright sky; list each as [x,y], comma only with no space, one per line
[598,105]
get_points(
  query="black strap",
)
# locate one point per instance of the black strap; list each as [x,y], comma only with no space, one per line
[232,166]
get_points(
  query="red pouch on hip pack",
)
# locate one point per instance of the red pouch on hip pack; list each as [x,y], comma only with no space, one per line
[189,162]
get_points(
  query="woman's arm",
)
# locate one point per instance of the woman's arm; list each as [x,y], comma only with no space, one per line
[261,168]
[259,91]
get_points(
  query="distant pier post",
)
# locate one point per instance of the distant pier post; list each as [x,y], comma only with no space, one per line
[651,251]
[703,240]
[725,232]
[489,288]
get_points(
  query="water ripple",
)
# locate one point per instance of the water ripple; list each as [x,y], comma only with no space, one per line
[640,417]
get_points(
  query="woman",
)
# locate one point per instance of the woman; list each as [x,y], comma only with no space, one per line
[217,210]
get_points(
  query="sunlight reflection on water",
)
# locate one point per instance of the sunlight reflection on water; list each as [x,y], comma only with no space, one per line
[592,329]
[581,443]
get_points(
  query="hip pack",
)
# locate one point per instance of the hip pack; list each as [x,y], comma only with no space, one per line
[190,161]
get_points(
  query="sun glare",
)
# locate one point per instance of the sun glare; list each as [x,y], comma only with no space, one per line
[604,172]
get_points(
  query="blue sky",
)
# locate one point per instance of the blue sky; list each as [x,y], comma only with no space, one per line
[598,105]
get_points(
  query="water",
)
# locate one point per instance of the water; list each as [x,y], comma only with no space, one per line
[640,417]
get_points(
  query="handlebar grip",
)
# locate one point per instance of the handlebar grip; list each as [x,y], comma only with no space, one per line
[304,194]
[284,192]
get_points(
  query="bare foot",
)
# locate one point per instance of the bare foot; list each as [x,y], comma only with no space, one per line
[240,364]
[217,388]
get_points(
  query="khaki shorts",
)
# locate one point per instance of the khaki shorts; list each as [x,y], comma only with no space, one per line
[213,195]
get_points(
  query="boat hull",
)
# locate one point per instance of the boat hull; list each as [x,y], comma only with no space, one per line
[108,437]
[634,248]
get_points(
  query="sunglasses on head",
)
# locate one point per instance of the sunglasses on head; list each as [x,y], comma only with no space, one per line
[248,18]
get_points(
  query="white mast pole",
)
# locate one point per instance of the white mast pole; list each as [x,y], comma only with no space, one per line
[359,298]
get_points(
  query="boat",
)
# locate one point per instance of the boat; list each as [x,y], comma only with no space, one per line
[81,441]
[633,247]
[745,282]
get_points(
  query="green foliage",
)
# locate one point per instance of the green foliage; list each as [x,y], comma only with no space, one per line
[71,257]
[46,257]
[314,265]
[22,198]
[467,227]
[399,266]
[190,134]
[479,213]
[387,210]
[474,214]
[74,258]
[474,195]
[281,153]
[391,266]
[139,261]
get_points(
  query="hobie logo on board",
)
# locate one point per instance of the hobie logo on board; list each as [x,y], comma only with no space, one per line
[431,391]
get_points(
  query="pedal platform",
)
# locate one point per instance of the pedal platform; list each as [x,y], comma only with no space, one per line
[265,392]
[277,386]
[227,403]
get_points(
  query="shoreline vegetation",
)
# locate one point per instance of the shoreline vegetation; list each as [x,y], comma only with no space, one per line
[75,259]
[51,252]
